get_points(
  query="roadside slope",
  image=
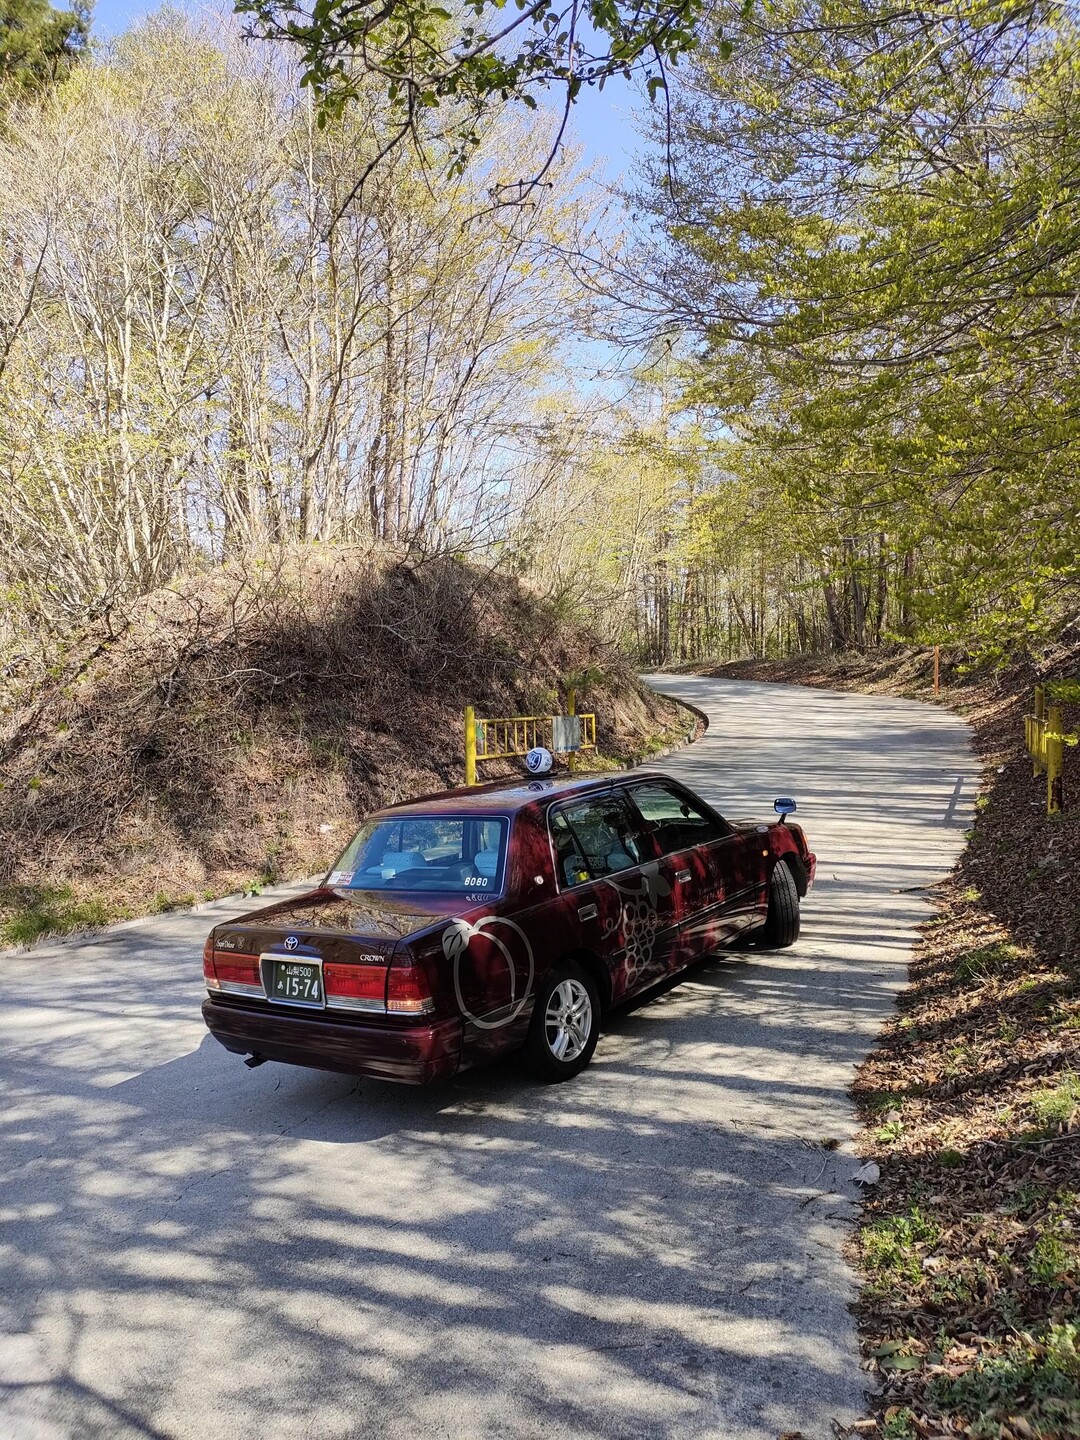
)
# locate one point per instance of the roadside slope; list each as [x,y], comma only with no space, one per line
[233,728]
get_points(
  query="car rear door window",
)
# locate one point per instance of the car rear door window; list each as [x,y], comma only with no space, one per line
[597,837]
[677,822]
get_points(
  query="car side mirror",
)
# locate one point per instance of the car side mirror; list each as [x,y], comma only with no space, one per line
[784,807]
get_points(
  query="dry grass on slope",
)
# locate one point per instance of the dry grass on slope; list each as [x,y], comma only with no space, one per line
[236,725]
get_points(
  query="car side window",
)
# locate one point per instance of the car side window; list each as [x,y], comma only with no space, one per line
[597,837]
[569,861]
[675,820]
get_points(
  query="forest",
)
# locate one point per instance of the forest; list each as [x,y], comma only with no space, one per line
[835,308]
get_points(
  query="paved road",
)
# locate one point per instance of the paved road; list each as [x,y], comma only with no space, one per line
[193,1249]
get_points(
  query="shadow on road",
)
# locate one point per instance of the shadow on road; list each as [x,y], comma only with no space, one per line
[195,1249]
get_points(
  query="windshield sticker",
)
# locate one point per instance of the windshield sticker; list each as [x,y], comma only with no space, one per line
[340,877]
[455,943]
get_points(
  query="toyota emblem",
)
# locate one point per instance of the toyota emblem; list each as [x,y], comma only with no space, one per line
[291,943]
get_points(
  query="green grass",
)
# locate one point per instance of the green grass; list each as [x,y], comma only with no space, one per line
[1039,1382]
[164,902]
[989,960]
[1052,1259]
[1026,1197]
[880,1101]
[889,1246]
[1059,1105]
[37,910]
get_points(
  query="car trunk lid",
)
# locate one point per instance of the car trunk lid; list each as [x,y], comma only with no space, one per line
[328,950]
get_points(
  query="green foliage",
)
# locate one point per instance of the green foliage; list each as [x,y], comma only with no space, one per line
[163,902]
[38,44]
[888,302]
[900,1425]
[1039,1382]
[425,57]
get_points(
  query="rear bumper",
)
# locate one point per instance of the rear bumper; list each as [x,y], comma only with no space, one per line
[811,870]
[412,1055]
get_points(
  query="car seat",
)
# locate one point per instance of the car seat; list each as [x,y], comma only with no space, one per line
[487,863]
[395,861]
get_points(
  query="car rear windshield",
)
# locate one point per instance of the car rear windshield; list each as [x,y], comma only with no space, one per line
[441,853]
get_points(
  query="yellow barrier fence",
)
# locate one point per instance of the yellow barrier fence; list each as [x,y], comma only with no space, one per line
[1044,735]
[502,737]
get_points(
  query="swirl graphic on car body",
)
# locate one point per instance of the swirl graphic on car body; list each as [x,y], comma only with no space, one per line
[638,917]
[455,943]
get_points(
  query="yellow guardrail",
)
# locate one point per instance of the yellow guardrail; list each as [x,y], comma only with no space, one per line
[1045,738]
[500,738]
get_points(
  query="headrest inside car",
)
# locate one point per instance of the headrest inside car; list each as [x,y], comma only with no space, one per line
[487,862]
[395,861]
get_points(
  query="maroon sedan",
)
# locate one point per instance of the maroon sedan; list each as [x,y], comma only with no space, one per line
[464,925]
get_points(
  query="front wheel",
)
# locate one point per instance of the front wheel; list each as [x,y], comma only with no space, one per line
[781,926]
[565,1024]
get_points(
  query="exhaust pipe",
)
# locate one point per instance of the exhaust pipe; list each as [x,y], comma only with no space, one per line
[251,1061]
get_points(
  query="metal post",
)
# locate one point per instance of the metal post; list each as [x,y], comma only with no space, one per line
[470,745]
[937,669]
[1055,754]
[1038,731]
[571,709]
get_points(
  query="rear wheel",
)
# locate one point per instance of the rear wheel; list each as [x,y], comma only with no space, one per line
[565,1024]
[781,926]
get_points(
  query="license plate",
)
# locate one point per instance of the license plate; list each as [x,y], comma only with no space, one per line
[295,982]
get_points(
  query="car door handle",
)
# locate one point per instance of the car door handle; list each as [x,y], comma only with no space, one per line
[682,876]
[587,912]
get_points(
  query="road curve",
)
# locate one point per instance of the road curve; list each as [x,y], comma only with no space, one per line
[193,1249]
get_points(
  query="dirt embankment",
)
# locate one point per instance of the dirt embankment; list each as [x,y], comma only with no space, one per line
[970,1243]
[234,727]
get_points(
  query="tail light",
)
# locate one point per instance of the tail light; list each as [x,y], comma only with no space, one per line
[355,987]
[238,970]
[407,989]
[223,971]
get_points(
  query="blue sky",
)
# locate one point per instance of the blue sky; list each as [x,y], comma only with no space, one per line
[603,123]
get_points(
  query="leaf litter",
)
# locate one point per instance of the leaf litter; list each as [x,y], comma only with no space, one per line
[969,1242]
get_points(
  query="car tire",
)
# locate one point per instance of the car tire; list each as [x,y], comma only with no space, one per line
[565,1023]
[782,920]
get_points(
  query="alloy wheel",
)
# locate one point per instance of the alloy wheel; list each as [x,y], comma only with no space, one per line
[568,1020]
